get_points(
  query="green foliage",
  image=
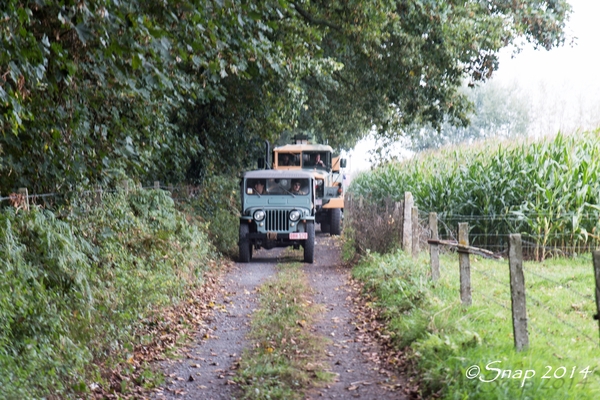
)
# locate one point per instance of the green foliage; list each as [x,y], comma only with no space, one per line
[75,289]
[446,340]
[547,190]
[176,91]
[218,203]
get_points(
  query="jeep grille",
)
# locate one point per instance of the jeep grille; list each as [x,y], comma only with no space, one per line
[278,221]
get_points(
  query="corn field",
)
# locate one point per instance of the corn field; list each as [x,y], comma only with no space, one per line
[549,191]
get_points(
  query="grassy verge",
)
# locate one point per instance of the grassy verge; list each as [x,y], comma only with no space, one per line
[285,358]
[451,343]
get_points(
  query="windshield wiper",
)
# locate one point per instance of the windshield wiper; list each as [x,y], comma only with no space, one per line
[287,190]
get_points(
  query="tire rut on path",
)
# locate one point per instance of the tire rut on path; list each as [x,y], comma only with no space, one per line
[211,363]
[351,355]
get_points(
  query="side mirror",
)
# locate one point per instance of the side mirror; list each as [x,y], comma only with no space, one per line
[343,163]
[261,163]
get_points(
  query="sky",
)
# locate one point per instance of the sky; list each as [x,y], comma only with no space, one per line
[562,85]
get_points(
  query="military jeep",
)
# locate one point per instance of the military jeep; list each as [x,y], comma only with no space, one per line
[278,210]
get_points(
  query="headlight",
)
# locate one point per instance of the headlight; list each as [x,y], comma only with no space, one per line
[295,215]
[259,215]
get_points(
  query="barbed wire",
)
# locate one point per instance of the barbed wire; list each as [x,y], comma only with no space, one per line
[547,338]
[529,321]
[20,196]
[515,214]
[541,276]
[585,247]
[585,296]
[549,311]
[491,299]
[491,277]
[99,190]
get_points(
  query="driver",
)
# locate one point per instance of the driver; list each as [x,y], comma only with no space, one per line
[297,188]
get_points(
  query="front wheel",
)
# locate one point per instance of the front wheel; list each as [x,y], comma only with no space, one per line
[309,244]
[245,248]
[336,221]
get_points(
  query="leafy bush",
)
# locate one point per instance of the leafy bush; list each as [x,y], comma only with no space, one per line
[74,290]
[218,204]
[373,227]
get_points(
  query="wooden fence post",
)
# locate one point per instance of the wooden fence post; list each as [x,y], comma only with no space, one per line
[596,260]
[434,249]
[517,292]
[414,216]
[407,222]
[98,195]
[156,185]
[25,193]
[125,184]
[465,264]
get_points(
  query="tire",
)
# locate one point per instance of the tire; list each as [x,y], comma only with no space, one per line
[245,247]
[309,244]
[325,227]
[336,221]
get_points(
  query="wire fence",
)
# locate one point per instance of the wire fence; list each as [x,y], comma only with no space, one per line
[545,234]
[22,199]
[496,247]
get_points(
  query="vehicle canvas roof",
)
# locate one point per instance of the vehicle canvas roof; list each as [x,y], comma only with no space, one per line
[294,148]
[277,174]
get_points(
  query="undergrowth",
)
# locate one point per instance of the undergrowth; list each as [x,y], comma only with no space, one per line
[74,288]
[218,205]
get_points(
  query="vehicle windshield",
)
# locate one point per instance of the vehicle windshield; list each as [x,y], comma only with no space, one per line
[313,159]
[284,186]
[288,160]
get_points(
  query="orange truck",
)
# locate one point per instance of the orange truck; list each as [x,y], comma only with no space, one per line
[326,169]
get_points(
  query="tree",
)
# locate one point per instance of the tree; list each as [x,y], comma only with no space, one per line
[404,61]
[498,111]
[167,89]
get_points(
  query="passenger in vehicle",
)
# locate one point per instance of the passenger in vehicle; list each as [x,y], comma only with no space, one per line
[287,160]
[259,187]
[318,162]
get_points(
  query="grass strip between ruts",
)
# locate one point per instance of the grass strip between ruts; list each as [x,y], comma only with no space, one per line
[285,357]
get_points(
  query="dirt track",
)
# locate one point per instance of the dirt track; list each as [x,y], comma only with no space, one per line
[207,368]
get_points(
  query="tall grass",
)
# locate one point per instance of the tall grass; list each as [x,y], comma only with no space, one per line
[549,191]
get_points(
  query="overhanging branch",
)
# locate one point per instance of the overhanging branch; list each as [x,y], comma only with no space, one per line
[309,18]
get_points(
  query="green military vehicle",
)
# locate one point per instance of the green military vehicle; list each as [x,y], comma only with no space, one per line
[278,210]
[318,160]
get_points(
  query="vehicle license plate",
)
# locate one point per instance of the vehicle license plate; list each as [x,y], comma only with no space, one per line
[298,235]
